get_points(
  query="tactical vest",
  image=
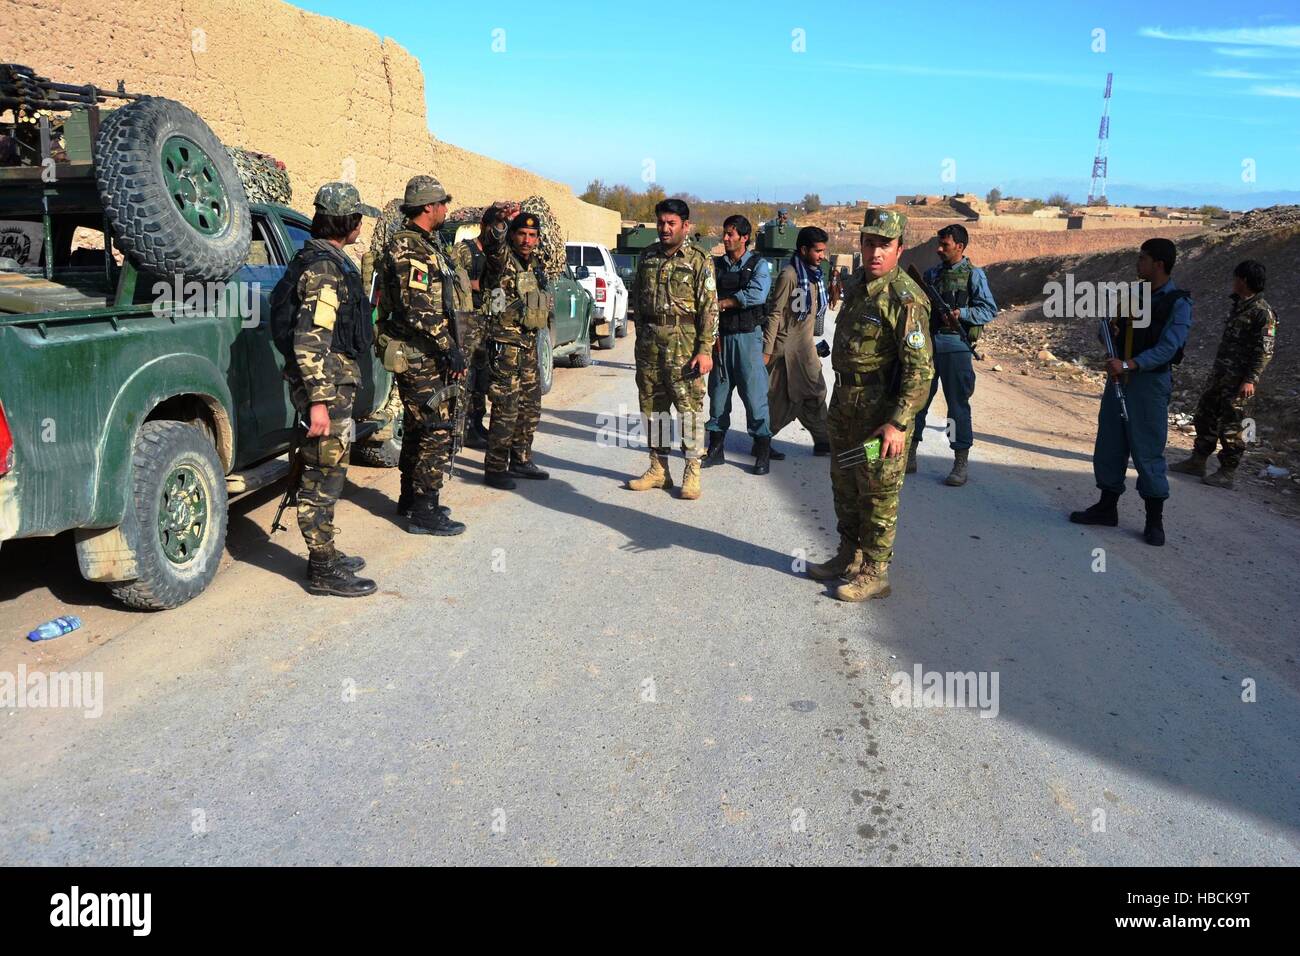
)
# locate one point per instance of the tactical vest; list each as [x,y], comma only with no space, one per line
[1162,309]
[475,272]
[354,332]
[729,282]
[395,323]
[953,283]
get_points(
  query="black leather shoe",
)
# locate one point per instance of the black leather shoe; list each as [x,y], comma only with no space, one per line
[772,453]
[762,454]
[353,563]
[715,455]
[328,576]
[499,479]
[526,469]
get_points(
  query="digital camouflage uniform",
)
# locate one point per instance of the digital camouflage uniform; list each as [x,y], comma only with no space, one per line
[1244,351]
[327,377]
[419,287]
[676,306]
[883,366]
[475,347]
[509,284]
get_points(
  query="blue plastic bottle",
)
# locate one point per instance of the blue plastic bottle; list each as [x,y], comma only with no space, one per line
[55,628]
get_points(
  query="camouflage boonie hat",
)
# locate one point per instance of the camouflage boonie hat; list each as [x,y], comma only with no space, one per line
[342,199]
[884,223]
[424,191]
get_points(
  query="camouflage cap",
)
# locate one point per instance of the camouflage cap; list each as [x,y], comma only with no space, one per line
[884,223]
[342,199]
[424,191]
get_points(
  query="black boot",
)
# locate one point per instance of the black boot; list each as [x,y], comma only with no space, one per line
[353,563]
[1154,532]
[526,469]
[715,454]
[428,518]
[762,454]
[326,575]
[406,497]
[820,448]
[1103,512]
[476,434]
[772,453]
[499,479]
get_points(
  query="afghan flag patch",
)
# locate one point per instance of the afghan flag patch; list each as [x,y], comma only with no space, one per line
[419,276]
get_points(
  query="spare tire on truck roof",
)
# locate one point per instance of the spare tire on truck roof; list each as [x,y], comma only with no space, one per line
[171,192]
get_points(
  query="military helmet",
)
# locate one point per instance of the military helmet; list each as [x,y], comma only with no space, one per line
[424,191]
[342,199]
[885,223]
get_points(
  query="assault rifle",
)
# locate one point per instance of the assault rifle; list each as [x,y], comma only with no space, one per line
[1109,342]
[941,309]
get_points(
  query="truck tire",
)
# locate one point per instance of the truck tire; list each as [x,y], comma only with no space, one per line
[379,454]
[175,518]
[580,357]
[606,341]
[545,360]
[171,192]
[622,326]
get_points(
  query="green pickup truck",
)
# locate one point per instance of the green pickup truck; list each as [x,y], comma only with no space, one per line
[139,386]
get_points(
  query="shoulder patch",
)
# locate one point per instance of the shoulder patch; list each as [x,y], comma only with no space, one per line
[709,283]
[419,276]
[916,339]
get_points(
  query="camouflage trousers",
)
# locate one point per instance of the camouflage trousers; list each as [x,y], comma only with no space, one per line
[1218,421]
[516,394]
[662,352]
[324,467]
[866,496]
[426,450]
[479,381]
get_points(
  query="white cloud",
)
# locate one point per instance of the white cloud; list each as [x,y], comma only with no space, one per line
[1225,74]
[1287,91]
[1282,36]
[1249,52]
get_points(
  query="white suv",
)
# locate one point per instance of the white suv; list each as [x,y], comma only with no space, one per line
[606,287]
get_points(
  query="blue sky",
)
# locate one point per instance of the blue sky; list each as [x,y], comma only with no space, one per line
[724,106]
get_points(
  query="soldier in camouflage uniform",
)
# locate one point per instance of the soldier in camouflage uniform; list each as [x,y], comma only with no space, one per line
[883,367]
[331,334]
[676,305]
[518,306]
[420,295]
[1244,351]
[468,255]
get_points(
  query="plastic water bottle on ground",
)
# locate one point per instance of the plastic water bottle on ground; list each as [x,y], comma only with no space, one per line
[55,628]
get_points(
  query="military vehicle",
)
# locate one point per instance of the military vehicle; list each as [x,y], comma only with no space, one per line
[140,390]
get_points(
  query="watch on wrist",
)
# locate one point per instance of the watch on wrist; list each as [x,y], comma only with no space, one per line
[894,423]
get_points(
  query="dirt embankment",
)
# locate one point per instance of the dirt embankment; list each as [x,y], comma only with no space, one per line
[1204,266]
[331,100]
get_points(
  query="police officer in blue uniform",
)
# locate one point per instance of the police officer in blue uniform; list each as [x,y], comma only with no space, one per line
[1147,347]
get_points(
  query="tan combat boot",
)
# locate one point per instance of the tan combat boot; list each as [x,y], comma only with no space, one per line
[1221,478]
[656,476]
[847,561]
[691,479]
[1194,464]
[871,581]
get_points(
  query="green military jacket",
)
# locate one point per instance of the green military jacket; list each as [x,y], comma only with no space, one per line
[1247,343]
[678,289]
[515,294]
[882,343]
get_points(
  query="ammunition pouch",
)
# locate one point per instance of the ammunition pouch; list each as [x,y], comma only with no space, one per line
[534,304]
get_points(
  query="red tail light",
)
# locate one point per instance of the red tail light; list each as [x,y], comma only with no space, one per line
[600,289]
[6,443]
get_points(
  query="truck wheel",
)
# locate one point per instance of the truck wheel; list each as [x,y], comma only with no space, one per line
[176,516]
[171,192]
[606,341]
[545,360]
[379,454]
[580,357]
[622,327]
